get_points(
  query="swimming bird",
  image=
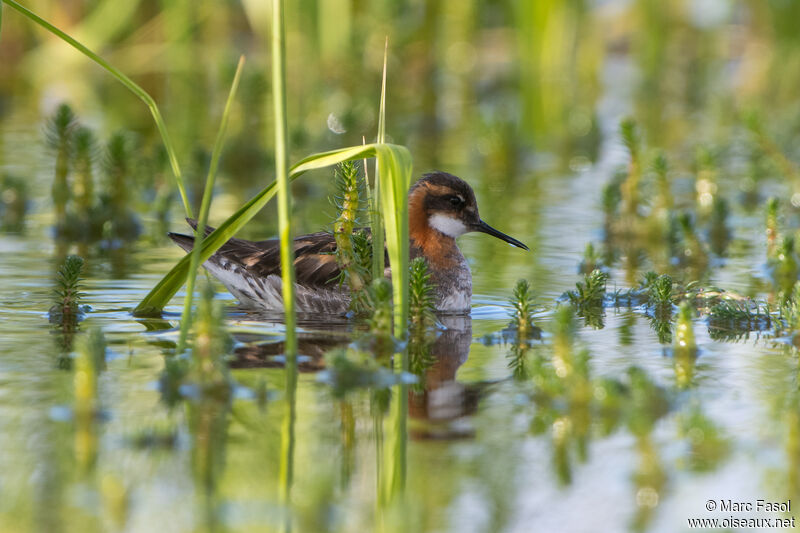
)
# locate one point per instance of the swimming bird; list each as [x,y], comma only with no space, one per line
[441,207]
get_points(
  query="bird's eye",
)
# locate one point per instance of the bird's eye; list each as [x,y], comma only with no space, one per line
[455,201]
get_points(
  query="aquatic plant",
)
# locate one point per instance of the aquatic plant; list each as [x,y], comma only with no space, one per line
[522,328]
[588,297]
[422,307]
[659,290]
[740,315]
[66,308]
[705,179]
[693,250]
[85,148]
[772,230]
[13,202]
[684,348]
[422,320]
[122,78]
[523,308]
[630,187]
[59,129]
[784,266]
[591,291]
[379,339]
[755,125]
[719,234]
[347,200]
[592,260]
[118,161]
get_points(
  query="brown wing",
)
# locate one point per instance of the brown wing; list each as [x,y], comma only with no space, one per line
[314,263]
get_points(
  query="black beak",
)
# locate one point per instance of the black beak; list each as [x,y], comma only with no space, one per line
[483,227]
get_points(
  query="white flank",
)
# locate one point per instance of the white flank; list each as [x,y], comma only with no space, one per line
[448,225]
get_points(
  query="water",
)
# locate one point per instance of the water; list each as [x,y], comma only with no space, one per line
[479,449]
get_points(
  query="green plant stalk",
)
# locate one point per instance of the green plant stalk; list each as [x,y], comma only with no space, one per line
[205,207]
[127,82]
[345,224]
[287,255]
[376,220]
[394,162]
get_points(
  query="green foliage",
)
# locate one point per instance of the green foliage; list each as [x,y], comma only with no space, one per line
[59,129]
[67,294]
[379,339]
[349,189]
[588,297]
[743,315]
[659,290]
[772,213]
[84,155]
[591,291]
[592,260]
[122,78]
[522,326]
[522,315]
[421,298]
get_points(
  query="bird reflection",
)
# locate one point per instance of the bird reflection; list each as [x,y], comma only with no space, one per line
[439,404]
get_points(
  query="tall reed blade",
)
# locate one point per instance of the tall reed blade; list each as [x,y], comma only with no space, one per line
[205,207]
[127,82]
[376,219]
[287,254]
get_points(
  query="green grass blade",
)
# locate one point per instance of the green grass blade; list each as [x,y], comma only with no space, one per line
[287,256]
[376,220]
[282,177]
[127,82]
[396,167]
[205,207]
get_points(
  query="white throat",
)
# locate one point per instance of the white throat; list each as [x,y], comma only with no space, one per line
[448,225]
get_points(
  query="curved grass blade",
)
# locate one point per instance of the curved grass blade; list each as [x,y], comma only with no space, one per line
[127,82]
[394,163]
[205,207]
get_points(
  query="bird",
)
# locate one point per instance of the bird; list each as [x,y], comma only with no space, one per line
[441,207]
